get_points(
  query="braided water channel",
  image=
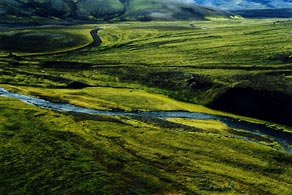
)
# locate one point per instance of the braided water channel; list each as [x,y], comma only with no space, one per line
[282,137]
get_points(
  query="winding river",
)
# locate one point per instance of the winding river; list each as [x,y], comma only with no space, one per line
[283,138]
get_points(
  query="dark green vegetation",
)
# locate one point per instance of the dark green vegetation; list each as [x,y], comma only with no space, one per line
[72,11]
[138,67]
[42,39]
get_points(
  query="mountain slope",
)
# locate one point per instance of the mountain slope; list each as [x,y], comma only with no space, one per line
[99,10]
[168,10]
[59,9]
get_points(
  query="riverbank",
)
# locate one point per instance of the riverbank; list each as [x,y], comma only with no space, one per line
[80,153]
[283,138]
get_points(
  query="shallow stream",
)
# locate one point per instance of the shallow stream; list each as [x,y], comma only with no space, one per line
[283,138]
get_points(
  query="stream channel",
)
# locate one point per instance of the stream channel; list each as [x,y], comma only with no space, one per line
[283,138]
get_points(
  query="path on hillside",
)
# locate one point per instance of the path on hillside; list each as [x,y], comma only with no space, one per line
[96,39]
[96,42]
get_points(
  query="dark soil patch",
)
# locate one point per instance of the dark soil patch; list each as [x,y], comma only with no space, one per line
[66,65]
[77,85]
[282,57]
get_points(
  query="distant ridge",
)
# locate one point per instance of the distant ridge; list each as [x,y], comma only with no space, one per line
[265,13]
[246,4]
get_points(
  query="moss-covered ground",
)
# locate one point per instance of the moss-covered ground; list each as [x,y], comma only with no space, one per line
[142,66]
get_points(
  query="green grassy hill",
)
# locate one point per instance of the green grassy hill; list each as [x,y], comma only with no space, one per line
[69,11]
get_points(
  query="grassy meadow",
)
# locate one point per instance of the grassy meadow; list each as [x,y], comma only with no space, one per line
[144,66]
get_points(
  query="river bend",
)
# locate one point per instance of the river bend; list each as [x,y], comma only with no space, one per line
[283,138]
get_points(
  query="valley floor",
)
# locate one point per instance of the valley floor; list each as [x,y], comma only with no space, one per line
[190,66]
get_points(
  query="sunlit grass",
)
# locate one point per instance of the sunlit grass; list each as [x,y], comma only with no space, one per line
[112,98]
[208,125]
[118,156]
[240,44]
[144,66]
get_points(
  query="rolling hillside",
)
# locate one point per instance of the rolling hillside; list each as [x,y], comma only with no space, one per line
[68,11]
[168,10]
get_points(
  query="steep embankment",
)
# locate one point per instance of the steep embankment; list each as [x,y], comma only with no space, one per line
[268,105]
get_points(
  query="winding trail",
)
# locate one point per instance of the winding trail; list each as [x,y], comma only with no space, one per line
[96,39]
[96,42]
[283,138]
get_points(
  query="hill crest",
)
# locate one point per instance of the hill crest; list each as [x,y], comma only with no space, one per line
[102,10]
